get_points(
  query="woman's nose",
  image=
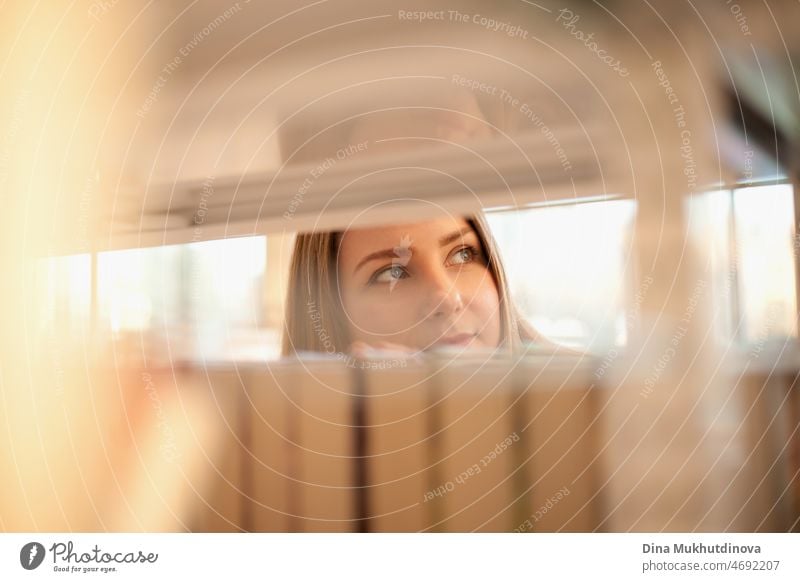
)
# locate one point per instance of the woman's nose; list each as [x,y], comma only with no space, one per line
[443,296]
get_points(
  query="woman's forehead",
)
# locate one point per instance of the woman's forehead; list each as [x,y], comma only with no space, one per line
[424,232]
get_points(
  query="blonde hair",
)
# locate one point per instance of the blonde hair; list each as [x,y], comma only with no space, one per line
[315,320]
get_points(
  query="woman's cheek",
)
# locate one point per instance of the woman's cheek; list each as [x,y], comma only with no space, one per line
[484,304]
[376,316]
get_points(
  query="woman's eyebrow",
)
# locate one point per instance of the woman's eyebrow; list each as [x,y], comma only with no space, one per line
[384,254]
[447,239]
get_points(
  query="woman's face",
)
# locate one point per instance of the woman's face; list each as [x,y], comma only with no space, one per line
[419,285]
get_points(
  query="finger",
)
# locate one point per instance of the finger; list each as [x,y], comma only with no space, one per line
[359,348]
[397,349]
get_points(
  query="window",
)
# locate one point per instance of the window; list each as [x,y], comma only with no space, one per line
[199,301]
[139,289]
[567,266]
[747,239]
[65,285]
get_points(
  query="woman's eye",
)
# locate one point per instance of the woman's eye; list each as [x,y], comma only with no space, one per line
[464,255]
[390,274]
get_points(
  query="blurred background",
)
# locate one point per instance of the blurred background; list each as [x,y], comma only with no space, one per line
[638,164]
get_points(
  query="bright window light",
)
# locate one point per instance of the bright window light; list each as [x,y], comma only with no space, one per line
[64,283]
[764,227]
[567,268]
[205,300]
[746,239]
